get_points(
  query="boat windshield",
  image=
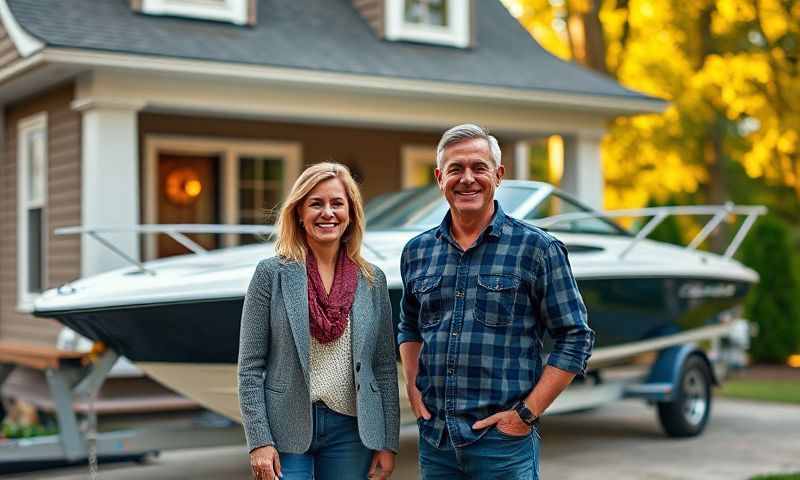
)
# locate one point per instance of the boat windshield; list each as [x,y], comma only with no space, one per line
[425,207]
[559,204]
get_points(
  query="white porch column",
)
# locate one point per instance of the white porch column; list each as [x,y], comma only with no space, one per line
[109,180]
[583,169]
[521,160]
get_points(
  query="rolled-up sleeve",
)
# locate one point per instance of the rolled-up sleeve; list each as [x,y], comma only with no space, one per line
[408,328]
[562,310]
[253,338]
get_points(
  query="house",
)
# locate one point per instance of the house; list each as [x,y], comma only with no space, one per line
[204,111]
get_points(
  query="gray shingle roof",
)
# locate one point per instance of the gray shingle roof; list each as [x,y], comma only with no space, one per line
[324,35]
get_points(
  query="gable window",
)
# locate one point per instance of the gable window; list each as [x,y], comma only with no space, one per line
[443,22]
[426,12]
[32,203]
[233,11]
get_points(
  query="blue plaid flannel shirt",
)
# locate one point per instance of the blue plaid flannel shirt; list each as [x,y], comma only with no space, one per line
[481,315]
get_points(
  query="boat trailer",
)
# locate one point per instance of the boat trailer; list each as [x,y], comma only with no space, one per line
[79,375]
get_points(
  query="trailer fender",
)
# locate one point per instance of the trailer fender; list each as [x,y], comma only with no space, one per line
[668,365]
[665,373]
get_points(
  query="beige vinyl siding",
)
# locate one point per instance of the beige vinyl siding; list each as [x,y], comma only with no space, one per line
[8,52]
[373,13]
[62,209]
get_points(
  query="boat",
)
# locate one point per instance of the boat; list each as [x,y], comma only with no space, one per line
[178,318]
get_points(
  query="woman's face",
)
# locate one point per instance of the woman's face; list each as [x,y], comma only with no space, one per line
[325,212]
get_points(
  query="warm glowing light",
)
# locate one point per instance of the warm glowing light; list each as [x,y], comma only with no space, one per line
[193,188]
[555,158]
[182,186]
[794,361]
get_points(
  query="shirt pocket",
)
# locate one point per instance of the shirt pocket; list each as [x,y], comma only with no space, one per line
[428,292]
[496,298]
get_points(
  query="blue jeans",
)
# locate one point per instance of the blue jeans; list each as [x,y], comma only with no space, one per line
[494,456]
[336,451]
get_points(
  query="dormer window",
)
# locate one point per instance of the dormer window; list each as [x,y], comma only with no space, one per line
[443,22]
[426,12]
[233,11]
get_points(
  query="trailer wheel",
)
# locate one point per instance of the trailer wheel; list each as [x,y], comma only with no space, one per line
[687,414]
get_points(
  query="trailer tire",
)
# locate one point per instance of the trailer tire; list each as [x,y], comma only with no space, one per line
[688,412]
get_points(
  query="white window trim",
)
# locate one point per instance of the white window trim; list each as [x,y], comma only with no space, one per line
[228,150]
[456,34]
[234,11]
[414,156]
[25,127]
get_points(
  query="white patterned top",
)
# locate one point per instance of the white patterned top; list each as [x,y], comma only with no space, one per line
[331,373]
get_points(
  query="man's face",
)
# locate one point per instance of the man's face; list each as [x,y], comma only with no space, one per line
[468,176]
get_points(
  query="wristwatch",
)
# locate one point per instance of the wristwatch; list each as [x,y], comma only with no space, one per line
[525,413]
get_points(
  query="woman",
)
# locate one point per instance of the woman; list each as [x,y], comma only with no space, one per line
[317,372]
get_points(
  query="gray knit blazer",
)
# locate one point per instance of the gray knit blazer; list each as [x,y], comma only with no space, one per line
[274,394]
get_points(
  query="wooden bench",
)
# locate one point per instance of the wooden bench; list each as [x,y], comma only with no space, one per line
[37,356]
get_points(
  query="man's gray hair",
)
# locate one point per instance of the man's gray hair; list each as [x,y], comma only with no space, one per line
[467,131]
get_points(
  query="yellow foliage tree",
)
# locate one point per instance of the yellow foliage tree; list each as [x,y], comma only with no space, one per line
[728,67]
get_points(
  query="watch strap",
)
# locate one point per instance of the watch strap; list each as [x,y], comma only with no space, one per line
[525,413]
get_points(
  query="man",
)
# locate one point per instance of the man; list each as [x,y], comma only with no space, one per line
[480,290]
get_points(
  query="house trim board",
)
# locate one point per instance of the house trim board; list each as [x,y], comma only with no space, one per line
[26,43]
[610,105]
[26,125]
[199,96]
[233,11]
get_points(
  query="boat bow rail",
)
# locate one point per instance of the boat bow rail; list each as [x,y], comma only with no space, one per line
[175,231]
[657,215]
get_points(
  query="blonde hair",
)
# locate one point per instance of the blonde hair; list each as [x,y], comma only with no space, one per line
[290,242]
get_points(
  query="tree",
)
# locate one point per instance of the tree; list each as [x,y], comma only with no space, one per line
[728,68]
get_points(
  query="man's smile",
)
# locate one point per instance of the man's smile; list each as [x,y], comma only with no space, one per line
[470,194]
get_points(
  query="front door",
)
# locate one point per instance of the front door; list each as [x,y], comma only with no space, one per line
[188,192]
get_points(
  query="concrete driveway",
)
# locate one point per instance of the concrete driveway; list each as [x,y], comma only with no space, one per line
[620,441]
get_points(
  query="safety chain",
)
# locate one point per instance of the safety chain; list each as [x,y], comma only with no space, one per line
[91,435]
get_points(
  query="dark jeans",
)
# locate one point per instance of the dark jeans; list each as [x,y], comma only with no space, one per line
[336,451]
[494,456]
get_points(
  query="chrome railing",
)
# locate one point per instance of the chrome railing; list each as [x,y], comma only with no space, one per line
[718,213]
[175,231]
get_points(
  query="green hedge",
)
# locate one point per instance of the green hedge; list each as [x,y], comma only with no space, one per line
[773,303]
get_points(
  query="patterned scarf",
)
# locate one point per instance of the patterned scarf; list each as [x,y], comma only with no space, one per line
[328,313]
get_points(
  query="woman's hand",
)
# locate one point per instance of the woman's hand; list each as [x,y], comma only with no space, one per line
[265,464]
[383,460]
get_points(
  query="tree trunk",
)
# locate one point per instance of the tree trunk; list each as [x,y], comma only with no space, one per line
[595,43]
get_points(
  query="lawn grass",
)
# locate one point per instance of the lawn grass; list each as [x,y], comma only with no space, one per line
[778,476]
[784,391]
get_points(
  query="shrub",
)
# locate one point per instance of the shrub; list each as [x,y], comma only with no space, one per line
[773,303]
